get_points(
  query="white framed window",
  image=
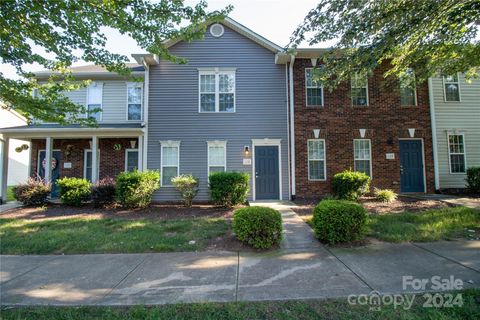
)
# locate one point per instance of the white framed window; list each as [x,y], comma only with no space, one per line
[87,163]
[134,101]
[408,89]
[359,89]
[216,90]
[316,160]
[131,159]
[456,153]
[217,156]
[451,88]
[362,155]
[95,100]
[313,89]
[170,161]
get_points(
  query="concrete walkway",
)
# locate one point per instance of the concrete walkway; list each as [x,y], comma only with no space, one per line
[9,205]
[301,269]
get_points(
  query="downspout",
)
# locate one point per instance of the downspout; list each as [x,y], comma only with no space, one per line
[434,134]
[145,114]
[292,127]
[288,132]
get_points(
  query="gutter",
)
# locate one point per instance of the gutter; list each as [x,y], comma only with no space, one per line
[292,128]
[434,134]
[146,86]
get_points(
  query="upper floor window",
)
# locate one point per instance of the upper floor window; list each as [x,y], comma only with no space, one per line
[456,151]
[362,154]
[451,88]
[359,86]
[313,88]
[134,101]
[217,156]
[217,91]
[316,159]
[95,100]
[170,161]
[408,90]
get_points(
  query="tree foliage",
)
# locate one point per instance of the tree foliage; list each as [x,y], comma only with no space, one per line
[73,30]
[428,36]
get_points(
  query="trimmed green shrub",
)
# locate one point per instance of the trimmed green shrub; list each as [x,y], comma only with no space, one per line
[33,192]
[103,192]
[336,221]
[260,227]
[385,195]
[229,188]
[473,179]
[187,185]
[135,188]
[74,191]
[350,185]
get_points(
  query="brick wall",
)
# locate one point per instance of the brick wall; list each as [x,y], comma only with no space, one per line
[112,162]
[339,122]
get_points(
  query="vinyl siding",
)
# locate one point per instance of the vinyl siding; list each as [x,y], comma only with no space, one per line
[261,108]
[463,117]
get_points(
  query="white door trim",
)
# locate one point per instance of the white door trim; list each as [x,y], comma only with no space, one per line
[423,163]
[267,142]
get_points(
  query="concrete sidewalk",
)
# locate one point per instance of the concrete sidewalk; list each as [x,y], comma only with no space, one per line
[301,269]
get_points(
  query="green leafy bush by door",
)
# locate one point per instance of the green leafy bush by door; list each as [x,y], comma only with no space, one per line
[135,188]
[74,191]
[259,227]
[229,188]
[473,179]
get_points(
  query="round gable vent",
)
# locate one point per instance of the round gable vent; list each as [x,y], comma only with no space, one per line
[216,30]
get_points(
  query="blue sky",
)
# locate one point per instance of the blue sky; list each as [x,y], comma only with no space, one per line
[273,19]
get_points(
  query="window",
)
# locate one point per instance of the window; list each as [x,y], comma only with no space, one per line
[316,160]
[362,154]
[217,91]
[169,161]
[217,156]
[408,90]
[359,84]
[87,164]
[313,88]
[131,159]
[134,101]
[94,100]
[451,88]
[456,151]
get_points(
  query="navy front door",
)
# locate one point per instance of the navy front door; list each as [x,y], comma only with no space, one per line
[411,166]
[56,155]
[267,180]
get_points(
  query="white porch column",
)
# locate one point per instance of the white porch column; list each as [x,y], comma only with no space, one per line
[48,159]
[4,172]
[140,153]
[94,159]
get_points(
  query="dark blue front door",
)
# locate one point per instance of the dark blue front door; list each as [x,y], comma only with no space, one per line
[266,173]
[411,166]
[56,157]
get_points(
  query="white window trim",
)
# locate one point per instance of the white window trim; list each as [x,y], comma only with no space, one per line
[324,159]
[126,156]
[217,72]
[101,104]
[267,142]
[216,143]
[445,91]
[140,85]
[370,152]
[312,87]
[366,87]
[169,143]
[85,151]
[450,153]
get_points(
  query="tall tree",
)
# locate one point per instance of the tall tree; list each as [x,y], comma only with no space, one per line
[71,30]
[428,36]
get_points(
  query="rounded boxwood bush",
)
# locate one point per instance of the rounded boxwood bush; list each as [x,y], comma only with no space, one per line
[336,221]
[259,227]
[135,189]
[73,191]
[349,185]
[229,189]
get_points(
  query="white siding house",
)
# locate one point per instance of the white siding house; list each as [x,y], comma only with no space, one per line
[455,110]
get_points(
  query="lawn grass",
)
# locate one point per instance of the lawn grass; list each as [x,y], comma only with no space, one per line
[310,309]
[94,235]
[432,225]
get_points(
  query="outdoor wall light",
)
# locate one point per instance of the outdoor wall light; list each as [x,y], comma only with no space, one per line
[246,151]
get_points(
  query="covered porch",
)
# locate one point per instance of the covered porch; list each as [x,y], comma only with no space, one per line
[92,153]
